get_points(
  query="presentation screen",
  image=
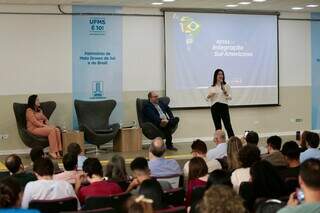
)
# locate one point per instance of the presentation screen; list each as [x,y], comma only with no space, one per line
[244,46]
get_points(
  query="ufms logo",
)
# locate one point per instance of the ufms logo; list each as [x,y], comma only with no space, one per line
[97,25]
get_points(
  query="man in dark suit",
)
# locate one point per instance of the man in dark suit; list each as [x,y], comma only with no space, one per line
[160,115]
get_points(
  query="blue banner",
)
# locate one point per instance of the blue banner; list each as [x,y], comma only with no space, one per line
[97,57]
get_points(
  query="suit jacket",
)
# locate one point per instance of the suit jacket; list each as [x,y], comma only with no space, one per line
[152,115]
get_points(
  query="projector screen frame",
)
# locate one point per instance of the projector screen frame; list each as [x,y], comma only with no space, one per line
[223,11]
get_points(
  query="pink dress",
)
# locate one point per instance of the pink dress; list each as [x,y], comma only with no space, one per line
[37,125]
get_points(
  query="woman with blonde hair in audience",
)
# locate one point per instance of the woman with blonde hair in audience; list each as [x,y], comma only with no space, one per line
[198,176]
[234,146]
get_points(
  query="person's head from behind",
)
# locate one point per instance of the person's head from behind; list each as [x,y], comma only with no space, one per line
[74,148]
[309,177]
[252,138]
[151,189]
[140,168]
[219,137]
[312,140]
[197,168]
[218,77]
[116,169]
[70,161]
[274,143]
[157,147]
[14,164]
[303,142]
[198,148]
[43,168]
[291,151]
[153,97]
[219,177]
[219,199]
[266,180]
[248,155]
[10,193]
[92,168]
[33,102]
[234,146]
[36,153]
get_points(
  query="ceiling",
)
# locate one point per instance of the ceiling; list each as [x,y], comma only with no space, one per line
[278,5]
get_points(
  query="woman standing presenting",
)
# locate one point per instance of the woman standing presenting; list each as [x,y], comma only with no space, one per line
[37,124]
[219,95]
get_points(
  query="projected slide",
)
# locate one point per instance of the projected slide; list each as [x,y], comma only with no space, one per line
[244,46]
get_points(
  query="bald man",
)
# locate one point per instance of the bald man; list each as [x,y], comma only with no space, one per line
[161,116]
[220,150]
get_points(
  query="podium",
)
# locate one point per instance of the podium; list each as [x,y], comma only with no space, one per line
[128,140]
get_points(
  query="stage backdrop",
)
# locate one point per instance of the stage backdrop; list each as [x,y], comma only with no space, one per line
[97,57]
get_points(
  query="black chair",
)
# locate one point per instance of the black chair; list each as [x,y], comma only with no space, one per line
[179,209]
[174,197]
[291,184]
[4,174]
[175,181]
[53,206]
[93,119]
[103,210]
[28,138]
[150,130]
[114,201]
[269,205]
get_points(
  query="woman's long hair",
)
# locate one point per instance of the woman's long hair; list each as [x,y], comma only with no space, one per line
[116,169]
[197,168]
[215,75]
[32,103]
[234,146]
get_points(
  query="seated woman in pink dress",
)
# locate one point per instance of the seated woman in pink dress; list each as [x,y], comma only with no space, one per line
[38,124]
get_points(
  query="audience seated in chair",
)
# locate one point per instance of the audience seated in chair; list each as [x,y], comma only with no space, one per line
[139,204]
[233,149]
[70,169]
[303,142]
[312,145]
[93,173]
[45,188]
[265,182]
[220,150]
[161,116]
[75,148]
[248,155]
[291,152]
[15,166]
[220,198]
[116,171]
[252,138]
[199,149]
[198,176]
[309,179]
[141,172]
[274,156]
[159,166]
[151,189]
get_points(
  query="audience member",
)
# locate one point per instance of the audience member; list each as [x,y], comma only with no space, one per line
[274,156]
[151,189]
[93,173]
[252,138]
[219,199]
[14,165]
[76,149]
[220,150]
[291,152]
[159,166]
[312,144]
[45,188]
[303,142]
[139,204]
[309,179]
[70,166]
[141,172]
[198,176]
[37,153]
[116,171]
[199,149]
[10,193]
[248,155]
[234,146]
[265,182]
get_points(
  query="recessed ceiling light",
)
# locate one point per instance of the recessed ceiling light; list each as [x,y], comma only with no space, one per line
[168,0]
[157,3]
[259,0]
[297,8]
[312,5]
[232,5]
[244,3]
